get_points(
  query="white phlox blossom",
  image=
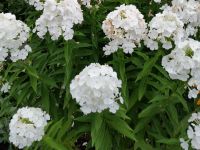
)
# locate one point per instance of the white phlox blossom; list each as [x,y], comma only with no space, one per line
[13,37]
[27,126]
[183,64]
[194,82]
[184,144]
[193,93]
[157,1]
[165,28]
[87,3]
[58,19]
[125,27]
[97,88]
[5,87]
[193,133]
[38,4]
[188,11]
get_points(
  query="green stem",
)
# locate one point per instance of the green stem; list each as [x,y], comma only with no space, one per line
[120,65]
[68,54]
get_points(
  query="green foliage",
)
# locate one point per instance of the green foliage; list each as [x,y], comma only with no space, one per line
[155,112]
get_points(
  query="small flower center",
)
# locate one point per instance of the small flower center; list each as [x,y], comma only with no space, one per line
[189,52]
[25,121]
[123,14]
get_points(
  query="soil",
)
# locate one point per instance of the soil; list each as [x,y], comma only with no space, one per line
[80,141]
[3,146]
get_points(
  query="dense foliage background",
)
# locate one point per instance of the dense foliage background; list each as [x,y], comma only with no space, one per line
[156,109]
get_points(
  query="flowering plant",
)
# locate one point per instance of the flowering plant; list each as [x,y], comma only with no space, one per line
[100,74]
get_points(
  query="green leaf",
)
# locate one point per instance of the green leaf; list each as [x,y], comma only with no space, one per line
[141,124]
[181,100]
[142,89]
[148,65]
[143,55]
[101,137]
[143,145]
[54,144]
[31,71]
[158,98]
[33,81]
[45,98]
[120,125]
[172,141]
[23,94]
[150,111]
[48,80]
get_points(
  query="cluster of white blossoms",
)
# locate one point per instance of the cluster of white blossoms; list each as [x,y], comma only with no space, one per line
[38,4]
[172,29]
[125,27]
[188,11]
[183,63]
[13,37]
[165,28]
[97,88]
[27,126]
[193,133]
[58,19]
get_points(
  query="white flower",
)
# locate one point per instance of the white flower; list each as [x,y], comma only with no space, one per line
[157,1]
[36,3]
[165,28]
[193,93]
[3,54]
[84,144]
[193,132]
[58,19]
[87,3]
[125,27]
[194,81]
[184,144]
[27,126]
[96,88]
[180,61]
[13,37]
[5,87]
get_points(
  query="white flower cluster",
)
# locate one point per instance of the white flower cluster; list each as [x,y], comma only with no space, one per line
[27,126]
[164,28]
[13,36]
[188,11]
[36,3]
[58,19]
[5,87]
[96,88]
[193,133]
[183,63]
[172,28]
[125,27]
